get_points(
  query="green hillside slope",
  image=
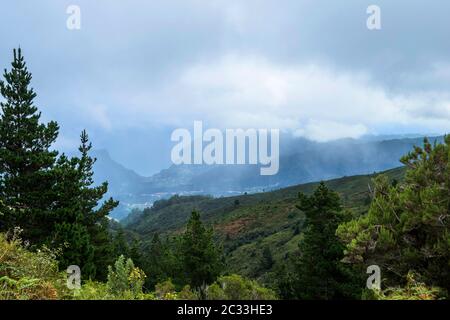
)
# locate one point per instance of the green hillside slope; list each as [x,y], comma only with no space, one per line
[257,231]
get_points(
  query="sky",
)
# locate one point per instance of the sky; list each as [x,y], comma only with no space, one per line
[139,69]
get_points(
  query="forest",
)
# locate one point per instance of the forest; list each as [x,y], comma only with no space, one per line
[306,242]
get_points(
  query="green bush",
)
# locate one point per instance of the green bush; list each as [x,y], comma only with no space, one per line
[125,280]
[187,294]
[28,275]
[235,287]
[414,290]
[92,290]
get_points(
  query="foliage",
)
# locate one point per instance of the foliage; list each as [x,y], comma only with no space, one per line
[267,259]
[26,178]
[315,271]
[93,290]
[413,290]
[235,287]
[407,226]
[51,198]
[80,223]
[166,290]
[28,275]
[200,258]
[161,262]
[262,220]
[124,279]
[187,294]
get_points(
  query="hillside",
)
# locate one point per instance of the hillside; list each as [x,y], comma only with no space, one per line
[248,225]
[301,161]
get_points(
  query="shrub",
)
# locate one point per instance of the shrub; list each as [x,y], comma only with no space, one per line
[166,290]
[187,294]
[28,275]
[92,290]
[125,281]
[235,287]
[414,290]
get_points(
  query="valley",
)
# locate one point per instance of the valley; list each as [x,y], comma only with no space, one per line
[254,227]
[301,161]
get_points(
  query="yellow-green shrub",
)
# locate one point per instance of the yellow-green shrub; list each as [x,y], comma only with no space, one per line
[28,275]
[235,287]
[414,290]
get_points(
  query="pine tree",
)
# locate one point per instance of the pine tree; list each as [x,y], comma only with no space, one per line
[201,259]
[52,199]
[316,271]
[136,253]
[162,261]
[267,259]
[81,227]
[155,263]
[103,249]
[95,217]
[91,196]
[26,161]
[406,230]
[120,244]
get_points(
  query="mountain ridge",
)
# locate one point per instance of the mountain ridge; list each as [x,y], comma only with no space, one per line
[301,161]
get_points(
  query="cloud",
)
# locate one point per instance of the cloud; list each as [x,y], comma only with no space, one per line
[310,67]
[316,101]
[98,115]
[323,131]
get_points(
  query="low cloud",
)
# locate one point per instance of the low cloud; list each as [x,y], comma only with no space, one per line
[315,101]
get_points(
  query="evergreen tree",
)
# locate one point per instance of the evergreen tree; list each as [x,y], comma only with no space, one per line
[81,227]
[201,259]
[26,161]
[316,271]
[95,217]
[52,199]
[103,249]
[120,244]
[162,261]
[267,259]
[155,263]
[406,230]
[136,253]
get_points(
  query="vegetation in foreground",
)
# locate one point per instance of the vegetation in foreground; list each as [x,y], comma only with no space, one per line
[27,275]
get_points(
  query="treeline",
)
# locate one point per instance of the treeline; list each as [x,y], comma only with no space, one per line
[191,258]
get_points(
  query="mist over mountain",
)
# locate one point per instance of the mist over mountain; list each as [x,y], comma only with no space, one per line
[301,161]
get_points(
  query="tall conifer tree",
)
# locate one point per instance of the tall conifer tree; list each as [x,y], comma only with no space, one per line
[201,258]
[26,161]
[316,271]
[51,198]
[82,228]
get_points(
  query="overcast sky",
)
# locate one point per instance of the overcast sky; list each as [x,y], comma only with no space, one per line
[136,70]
